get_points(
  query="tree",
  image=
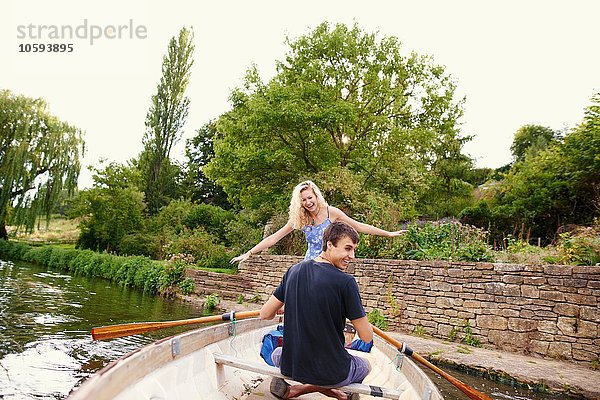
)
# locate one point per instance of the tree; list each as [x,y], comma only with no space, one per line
[39,157]
[342,98]
[560,184]
[165,120]
[199,151]
[110,210]
[530,140]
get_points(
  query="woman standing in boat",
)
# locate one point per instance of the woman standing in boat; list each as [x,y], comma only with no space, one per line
[310,213]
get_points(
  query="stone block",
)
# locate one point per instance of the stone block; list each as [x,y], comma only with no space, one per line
[548,327]
[552,295]
[583,355]
[567,326]
[492,322]
[509,267]
[529,291]
[508,312]
[586,329]
[443,302]
[534,280]
[591,271]
[582,300]
[594,284]
[560,350]
[566,309]
[512,279]
[539,347]
[590,314]
[471,304]
[575,282]
[560,270]
[522,325]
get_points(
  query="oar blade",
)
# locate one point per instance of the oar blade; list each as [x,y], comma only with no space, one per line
[117,331]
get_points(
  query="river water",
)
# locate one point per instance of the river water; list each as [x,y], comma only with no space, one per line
[46,348]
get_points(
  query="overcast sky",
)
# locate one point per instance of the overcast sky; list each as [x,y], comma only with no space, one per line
[516,62]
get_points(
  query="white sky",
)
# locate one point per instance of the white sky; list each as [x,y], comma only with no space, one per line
[517,62]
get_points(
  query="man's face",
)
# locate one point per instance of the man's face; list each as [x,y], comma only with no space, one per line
[341,254]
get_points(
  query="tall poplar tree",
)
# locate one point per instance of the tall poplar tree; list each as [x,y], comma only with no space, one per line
[165,120]
[39,157]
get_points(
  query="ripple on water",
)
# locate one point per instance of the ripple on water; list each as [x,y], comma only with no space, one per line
[42,370]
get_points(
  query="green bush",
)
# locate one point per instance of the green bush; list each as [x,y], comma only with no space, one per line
[140,244]
[579,250]
[203,248]
[212,219]
[244,231]
[140,272]
[211,302]
[187,286]
[431,241]
[377,319]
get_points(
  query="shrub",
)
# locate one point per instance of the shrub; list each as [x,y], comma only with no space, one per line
[437,241]
[211,302]
[212,219]
[579,250]
[202,247]
[377,319]
[187,286]
[139,244]
[140,272]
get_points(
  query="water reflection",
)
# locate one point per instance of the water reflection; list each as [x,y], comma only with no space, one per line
[45,321]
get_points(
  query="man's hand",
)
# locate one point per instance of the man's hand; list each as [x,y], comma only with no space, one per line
[358,344]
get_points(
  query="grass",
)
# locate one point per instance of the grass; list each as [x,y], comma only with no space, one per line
[60,230]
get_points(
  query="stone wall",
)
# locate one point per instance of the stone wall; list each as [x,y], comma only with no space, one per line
[548,310]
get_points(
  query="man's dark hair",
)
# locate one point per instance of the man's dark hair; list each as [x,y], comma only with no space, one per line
[337,230]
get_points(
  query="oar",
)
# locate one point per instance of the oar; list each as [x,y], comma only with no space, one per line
[472,393]
[115,331]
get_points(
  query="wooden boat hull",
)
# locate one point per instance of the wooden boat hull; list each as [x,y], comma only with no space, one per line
[183,367]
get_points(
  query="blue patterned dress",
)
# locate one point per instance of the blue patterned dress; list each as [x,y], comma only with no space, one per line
[314,238]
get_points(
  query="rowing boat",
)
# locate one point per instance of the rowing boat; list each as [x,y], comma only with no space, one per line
[223,362]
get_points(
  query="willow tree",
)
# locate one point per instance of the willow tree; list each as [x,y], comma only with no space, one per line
[165,120]
[39,158]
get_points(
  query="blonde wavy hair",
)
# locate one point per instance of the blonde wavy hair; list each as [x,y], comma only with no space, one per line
[298,216]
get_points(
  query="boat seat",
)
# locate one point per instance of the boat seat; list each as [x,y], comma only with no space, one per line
[263,368]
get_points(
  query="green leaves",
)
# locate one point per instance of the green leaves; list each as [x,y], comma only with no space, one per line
[39,157]
[342,98]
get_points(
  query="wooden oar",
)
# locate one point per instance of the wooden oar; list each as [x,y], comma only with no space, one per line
[472,393]
[115,331]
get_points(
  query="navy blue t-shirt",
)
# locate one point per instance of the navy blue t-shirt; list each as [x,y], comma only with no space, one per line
[318,298]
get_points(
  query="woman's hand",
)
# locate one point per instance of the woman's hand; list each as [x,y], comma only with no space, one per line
[397,233]
[240,258]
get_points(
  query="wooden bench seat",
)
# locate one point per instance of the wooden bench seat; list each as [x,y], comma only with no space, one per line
[263,368]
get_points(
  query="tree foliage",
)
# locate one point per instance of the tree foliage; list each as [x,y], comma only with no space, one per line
[165,119]
[39,157]
[558,185]
[199,151]
[110,210]
[530,140]
[342,99]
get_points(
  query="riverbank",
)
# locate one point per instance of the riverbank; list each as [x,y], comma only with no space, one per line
[545,374]
[542,374]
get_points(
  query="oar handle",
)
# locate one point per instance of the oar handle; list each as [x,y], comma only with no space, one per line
[116,331]
[471,392]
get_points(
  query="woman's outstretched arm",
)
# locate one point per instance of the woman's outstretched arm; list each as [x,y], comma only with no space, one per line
[337,214]
[265,243]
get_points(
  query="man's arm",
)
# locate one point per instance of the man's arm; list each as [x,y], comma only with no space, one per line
[270,308]
[363,328]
